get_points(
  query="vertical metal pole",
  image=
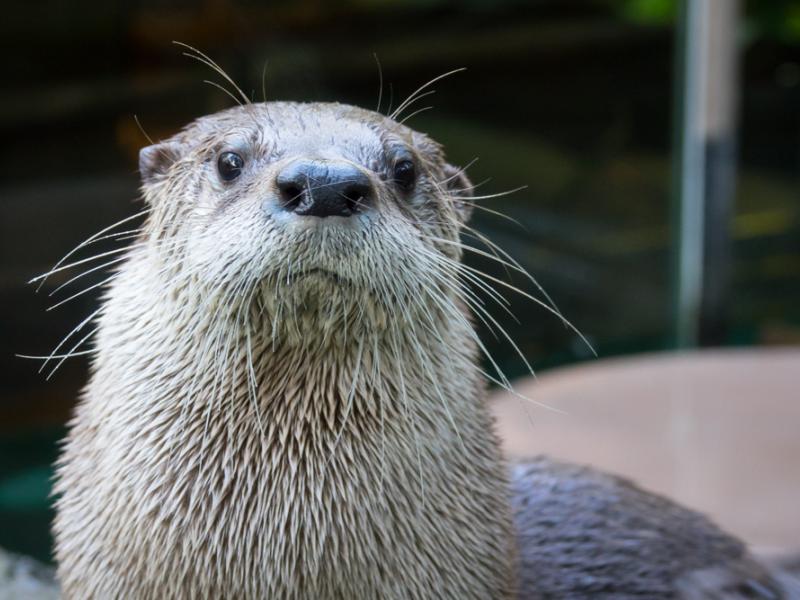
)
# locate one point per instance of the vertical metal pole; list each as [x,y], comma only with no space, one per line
[689,168]
[705,114]
[721,123]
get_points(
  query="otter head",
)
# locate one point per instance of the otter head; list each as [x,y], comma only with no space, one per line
[326,211]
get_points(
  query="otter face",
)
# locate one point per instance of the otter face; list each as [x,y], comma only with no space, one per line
[308,204]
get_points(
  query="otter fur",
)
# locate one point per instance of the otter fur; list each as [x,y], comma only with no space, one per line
[286,406]
[286,399]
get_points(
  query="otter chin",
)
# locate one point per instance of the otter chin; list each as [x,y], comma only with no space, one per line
[286,399]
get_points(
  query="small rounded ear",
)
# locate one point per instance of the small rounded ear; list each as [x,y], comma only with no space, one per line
[461,190]
[155,160]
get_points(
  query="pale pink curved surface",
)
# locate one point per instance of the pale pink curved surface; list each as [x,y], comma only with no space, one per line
[719,431]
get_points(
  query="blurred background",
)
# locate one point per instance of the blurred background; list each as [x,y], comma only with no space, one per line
[659,147]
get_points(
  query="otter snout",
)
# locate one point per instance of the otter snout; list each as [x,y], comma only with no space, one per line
[324,188]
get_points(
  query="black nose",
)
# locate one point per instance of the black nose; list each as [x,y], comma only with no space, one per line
[324,188]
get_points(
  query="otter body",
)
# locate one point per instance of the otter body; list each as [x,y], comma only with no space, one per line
[286,399]
[586,534]
[265,417]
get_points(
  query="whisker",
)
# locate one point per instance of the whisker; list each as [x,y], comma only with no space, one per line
[411,98]
[50,357]
[415,113]
[84,273]
[85,260]
[203,58]
[534,299]
[82,292]
[503,381]
[264,81]
[380,81]
[68,354]
[88,241]
[491,196]
[510,264]
[222,89]
[481,313]
[461,171]
[391,98]
[144,133]
[411,102]
[490,244]
[80,326]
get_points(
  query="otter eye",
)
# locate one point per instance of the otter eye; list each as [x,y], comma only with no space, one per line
[404,174]
[230,165]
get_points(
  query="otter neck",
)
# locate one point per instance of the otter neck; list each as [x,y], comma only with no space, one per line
[222,463]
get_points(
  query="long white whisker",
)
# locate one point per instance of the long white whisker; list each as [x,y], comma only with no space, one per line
[83,291]
[50,357]
[223,89]
[466,270]
[203,58]
[86,242]
[68,354]
[84,273]
[80,326]
[85,260]
[496,248]
[413,95]
[380,81]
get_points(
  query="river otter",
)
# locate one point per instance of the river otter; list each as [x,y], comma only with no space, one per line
[286,401]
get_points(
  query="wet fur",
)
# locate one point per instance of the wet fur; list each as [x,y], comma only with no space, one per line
[586,534]
[283,410]
[257,427]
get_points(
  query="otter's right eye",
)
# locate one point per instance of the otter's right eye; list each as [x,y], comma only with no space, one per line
[230,165]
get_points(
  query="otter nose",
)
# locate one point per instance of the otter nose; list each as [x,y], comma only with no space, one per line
[324,189]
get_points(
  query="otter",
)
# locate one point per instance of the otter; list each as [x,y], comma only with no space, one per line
[286,399]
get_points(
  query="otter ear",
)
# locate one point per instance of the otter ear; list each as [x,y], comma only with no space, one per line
[461,190]
[155,160]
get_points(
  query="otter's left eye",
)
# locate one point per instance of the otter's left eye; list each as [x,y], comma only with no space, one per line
[230,165]
[405,174]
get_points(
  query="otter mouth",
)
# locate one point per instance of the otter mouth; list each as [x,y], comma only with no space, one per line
[317,272]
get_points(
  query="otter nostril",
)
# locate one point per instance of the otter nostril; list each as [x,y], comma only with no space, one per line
[355,196]
[291,194]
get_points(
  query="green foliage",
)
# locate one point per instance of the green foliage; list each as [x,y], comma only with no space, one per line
[648,12]
[777,20]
